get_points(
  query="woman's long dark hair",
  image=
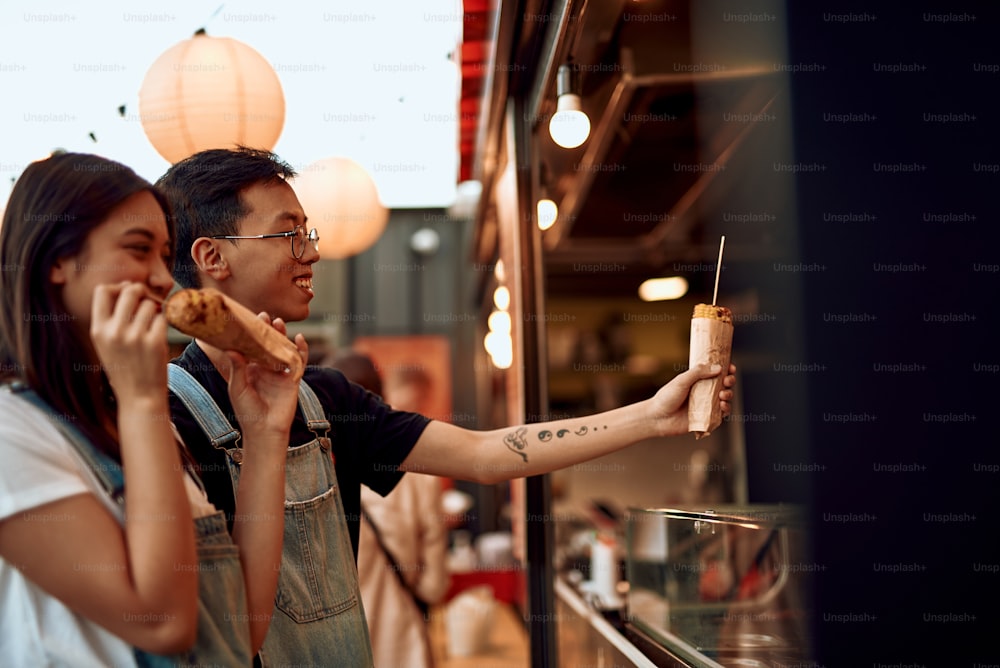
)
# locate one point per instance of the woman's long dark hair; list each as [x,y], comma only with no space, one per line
[53,208]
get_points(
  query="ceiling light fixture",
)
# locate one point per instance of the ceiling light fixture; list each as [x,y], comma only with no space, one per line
[569,126]
[658,289]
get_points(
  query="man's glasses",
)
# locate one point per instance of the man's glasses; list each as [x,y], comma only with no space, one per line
[298,235]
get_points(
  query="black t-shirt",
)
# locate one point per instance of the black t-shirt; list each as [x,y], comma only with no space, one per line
[369,438]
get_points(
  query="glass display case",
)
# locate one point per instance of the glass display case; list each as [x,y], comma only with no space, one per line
[723,587]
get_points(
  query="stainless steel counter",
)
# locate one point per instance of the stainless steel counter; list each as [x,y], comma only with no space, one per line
[587,638]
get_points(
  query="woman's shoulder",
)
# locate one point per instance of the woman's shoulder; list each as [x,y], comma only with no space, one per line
[20,416]
[40,465]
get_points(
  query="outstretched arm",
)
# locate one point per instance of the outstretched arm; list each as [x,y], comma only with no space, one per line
[514,452]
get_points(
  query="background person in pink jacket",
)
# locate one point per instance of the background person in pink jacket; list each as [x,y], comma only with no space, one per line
[403,539]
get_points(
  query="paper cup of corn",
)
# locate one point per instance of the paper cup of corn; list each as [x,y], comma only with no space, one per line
[711,343]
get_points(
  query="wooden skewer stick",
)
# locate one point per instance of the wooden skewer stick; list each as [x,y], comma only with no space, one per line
[718,268]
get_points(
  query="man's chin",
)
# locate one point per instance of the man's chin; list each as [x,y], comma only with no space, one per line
[295,315]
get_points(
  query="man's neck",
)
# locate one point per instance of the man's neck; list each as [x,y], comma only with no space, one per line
[217,357]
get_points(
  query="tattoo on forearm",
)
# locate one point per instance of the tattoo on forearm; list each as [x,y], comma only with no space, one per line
[516,442]
[545,435]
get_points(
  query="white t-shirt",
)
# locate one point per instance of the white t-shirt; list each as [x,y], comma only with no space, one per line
[40,466]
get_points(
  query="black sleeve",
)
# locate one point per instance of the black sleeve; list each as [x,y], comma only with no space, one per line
[367,431]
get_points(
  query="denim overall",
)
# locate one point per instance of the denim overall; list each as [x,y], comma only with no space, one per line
[223,632]
[318,619]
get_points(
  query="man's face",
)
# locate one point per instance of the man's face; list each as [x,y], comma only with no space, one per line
[264,275]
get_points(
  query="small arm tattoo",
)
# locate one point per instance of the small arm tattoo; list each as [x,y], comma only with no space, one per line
[545,435]
[516,442]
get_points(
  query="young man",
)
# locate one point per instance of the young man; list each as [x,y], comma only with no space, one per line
[240,229]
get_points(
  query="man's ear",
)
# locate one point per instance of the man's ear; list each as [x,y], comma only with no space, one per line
[208,259]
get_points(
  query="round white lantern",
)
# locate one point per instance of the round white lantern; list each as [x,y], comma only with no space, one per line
[210,92]
[341,201]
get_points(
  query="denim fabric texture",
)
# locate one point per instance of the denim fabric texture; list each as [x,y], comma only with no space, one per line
[319,619]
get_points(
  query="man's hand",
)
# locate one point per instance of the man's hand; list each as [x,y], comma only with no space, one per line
[670,404]
[264,398]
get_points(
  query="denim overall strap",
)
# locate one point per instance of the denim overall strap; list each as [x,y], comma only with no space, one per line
[202,406]
[107,470]
[214,423]
[312,411]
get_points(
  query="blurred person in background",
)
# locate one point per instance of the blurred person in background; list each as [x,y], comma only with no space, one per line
[403,540]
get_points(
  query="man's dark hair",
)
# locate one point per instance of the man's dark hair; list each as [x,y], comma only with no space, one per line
[204,191]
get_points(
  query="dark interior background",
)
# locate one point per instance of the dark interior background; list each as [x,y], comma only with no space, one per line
[934,519]
[892,316]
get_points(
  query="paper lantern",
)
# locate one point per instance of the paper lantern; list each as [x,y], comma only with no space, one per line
[342,203]
[210,92]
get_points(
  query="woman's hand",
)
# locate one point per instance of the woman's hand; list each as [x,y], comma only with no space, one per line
[129,334]
[670,404]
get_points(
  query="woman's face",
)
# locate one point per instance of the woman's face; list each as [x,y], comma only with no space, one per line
[130,245]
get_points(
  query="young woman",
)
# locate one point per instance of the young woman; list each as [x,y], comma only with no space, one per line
[110,552]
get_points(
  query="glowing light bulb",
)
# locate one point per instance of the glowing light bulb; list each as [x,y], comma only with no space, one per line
[503,359]
[569,126]
[501,349]
[658,289]
[501,297]
[499,321]
[547,213]
[494,342]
